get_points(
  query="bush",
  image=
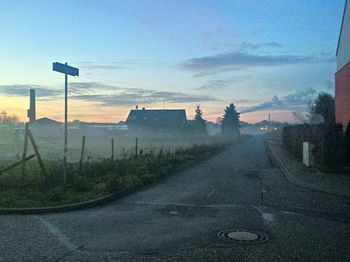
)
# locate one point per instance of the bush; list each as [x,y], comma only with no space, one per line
[347,145]
[333,157]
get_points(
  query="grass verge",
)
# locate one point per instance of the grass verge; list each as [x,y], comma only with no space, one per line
[97,178]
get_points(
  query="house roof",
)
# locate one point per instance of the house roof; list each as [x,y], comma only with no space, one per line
[341,27]
[47,121]
[157,117]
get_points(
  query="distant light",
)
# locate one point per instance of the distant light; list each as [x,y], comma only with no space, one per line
[275,128]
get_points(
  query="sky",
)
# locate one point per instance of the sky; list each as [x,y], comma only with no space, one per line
[265,56]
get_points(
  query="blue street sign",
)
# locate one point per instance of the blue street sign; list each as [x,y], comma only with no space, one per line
[65,69]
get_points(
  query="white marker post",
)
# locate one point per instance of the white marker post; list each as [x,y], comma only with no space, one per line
[66,70]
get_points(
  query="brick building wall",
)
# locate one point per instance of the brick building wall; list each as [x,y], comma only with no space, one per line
[342,77]
[342,95]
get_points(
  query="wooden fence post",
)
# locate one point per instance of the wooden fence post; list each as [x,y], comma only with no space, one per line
[136,145]
[82,154]
[16,164]
[112,144]
[41,163]
[25,149]
[112,157]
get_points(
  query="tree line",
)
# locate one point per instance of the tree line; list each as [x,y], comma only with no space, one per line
[229,122]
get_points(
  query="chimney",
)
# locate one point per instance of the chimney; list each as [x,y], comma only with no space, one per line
[143,108]
[31,110]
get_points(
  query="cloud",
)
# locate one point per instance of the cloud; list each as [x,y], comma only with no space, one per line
[214,84]
[119,64]
[248,101]
[239,60]
[115,95]
[80,88]
[23,90]
[103,66]
[275,102]
[140,96]
[222,83]
[105,94]
[174,97]
[246,45]
[45,93]
[300,98]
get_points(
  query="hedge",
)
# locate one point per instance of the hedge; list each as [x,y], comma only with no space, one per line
[332,147]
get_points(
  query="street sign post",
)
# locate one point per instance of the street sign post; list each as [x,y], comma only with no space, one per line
[65,69]
[72,71]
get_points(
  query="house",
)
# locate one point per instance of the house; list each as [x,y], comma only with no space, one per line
[47,122]
[342,76]
[153,122]
[47,127]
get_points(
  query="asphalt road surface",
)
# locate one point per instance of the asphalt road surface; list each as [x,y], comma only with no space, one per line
[179,219]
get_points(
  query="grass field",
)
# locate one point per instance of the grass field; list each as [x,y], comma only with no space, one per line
[96,146]
[131,169]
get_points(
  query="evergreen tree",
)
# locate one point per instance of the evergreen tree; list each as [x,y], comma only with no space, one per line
[324,105]
[199,123]
[230,122]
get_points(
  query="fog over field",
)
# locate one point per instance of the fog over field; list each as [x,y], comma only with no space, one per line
[98,142]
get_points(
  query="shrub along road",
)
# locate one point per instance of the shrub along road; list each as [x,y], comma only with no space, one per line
[179,218]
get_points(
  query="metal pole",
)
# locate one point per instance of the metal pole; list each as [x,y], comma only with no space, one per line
[66,70]
[82,155]
[65,127]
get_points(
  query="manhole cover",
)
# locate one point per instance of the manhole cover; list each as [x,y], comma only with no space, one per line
[243,236]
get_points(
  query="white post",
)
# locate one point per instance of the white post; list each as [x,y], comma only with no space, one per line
[308,159]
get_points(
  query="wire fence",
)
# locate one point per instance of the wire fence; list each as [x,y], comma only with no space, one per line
[97,145]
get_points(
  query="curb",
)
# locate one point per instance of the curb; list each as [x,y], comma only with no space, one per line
[61,208]
[292,179]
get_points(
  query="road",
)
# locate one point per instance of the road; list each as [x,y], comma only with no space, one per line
[179,219]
